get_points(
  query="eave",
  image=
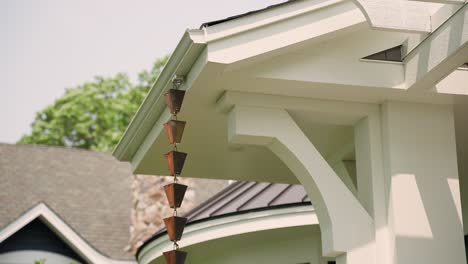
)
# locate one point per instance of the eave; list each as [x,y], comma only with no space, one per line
[192,50]
[185,54]
[254,54]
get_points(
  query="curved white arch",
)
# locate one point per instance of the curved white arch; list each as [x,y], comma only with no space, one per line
[396,14]
[242,223]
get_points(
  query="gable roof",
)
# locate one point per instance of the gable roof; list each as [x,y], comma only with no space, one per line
[90,191]
[69,236]
[37,236]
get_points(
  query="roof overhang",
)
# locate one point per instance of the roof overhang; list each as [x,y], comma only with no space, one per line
[180,63]
[197,233]
[296,56]
[56,224]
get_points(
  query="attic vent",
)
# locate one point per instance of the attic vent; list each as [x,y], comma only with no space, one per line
[393,54]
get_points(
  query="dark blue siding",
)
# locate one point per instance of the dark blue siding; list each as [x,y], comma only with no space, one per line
[38,236]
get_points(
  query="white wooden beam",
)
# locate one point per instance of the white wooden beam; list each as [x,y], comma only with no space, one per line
[440,53]
[337,208]
[351,112]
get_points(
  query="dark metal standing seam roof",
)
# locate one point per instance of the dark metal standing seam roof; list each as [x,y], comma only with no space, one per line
[243,197]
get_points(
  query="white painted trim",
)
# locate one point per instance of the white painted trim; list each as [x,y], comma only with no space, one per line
[248,23]
[229,99]
[440,53]
[73,239]
[193,50]
[382,61]
[231,226]
[181,61]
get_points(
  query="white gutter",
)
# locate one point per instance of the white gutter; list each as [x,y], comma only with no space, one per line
[180,62]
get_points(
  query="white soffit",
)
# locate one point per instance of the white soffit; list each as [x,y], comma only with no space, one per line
[228,56]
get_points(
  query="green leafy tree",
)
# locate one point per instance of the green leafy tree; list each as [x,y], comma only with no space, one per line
[92,115]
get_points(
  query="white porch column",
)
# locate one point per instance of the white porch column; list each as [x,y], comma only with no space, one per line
[424,208]
[372,187]
[345,225]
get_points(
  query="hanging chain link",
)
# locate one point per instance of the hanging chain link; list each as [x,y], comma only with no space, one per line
[176,83]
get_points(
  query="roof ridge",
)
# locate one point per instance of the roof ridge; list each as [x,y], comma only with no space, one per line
[219,21]
[44,146]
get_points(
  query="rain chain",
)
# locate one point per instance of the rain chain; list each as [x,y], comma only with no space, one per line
[175,159]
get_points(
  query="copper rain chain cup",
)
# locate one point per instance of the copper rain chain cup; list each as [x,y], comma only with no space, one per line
[174,130]
[175,257]
[175,227]
[175,161]
[175,194]
[174,100]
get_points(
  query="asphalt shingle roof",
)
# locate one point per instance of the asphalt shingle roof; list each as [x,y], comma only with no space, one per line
[90,191]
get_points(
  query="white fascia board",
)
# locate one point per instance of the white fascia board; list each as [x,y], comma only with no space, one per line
[186,53]
[440,53]
[237,41]
[231,226]
[264,18]
[443,1]
[61,229]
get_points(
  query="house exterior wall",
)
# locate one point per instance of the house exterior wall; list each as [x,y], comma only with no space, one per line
[31,256]
[295,245]
[37,241]
[461,131]
[292,245]
[424,206]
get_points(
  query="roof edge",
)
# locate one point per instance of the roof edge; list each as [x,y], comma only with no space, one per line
[304,214]
[219,21]
[150,110]
[242,23]
[185,55]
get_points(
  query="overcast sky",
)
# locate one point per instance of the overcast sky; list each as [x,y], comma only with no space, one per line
[48,45]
